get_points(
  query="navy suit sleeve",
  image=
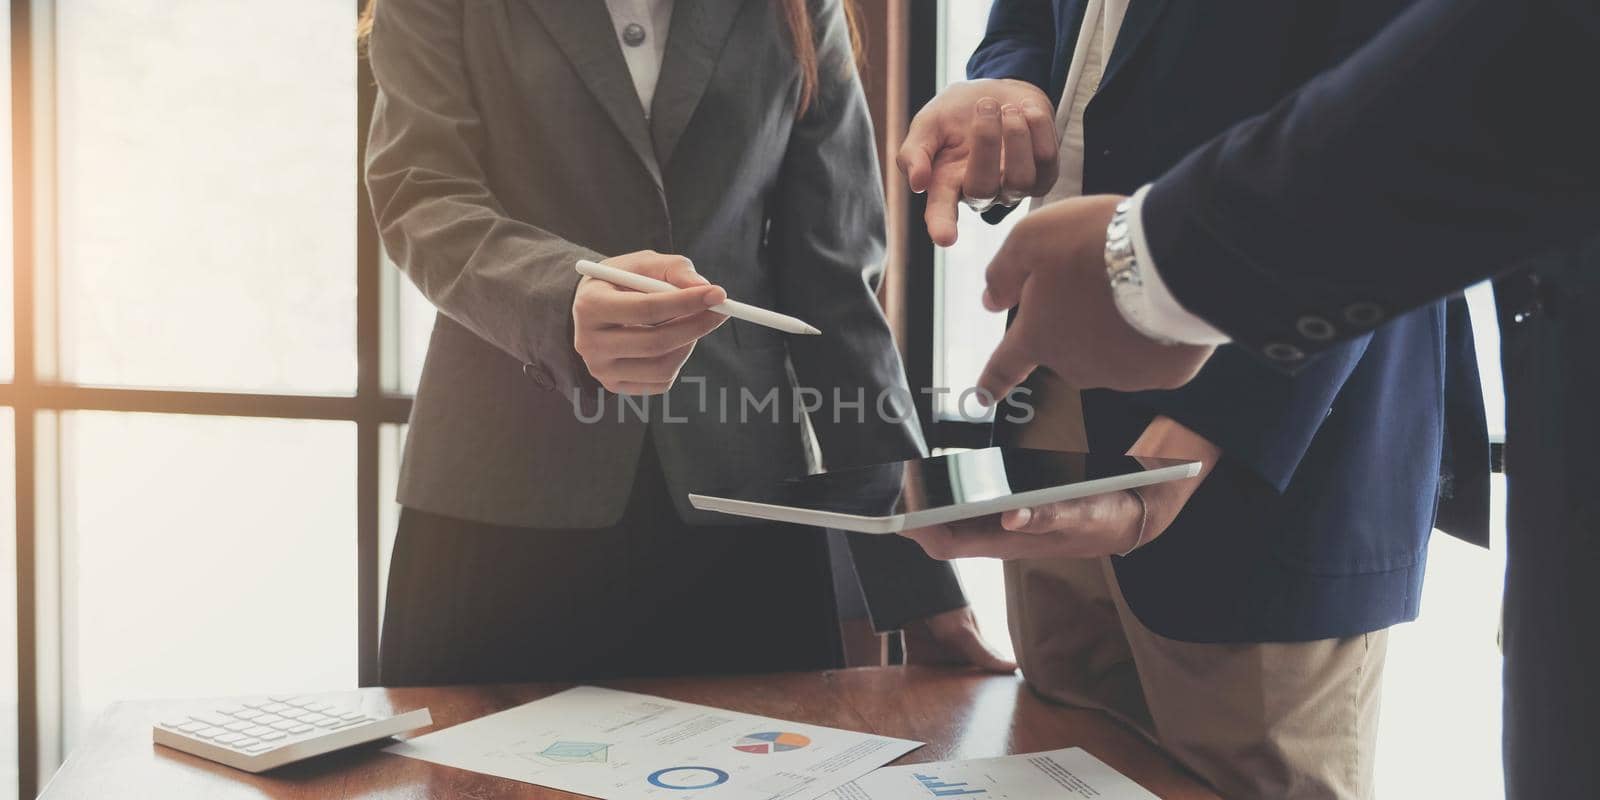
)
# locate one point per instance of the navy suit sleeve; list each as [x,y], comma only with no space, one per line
[1019,43]
[1451,147]
[1260,418]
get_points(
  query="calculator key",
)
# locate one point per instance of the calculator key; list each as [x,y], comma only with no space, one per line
[298,729]
[326,722]
[246,742]
[210,719]
[280,698]
[285,725]
[175,723]
[238,725]
[261,747]
[248,713]
[256,730]
[230,710]
[256,703]
[227,738]
[267,719]
[352,715]
[210,733]
[346,723]
[316,706]
[275,708]
[271,736]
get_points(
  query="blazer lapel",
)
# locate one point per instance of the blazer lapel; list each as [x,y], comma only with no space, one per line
[694,42]
[582,29]
[1140,19]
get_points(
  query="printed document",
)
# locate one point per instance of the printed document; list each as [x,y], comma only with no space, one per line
[1068,774]
[623,746]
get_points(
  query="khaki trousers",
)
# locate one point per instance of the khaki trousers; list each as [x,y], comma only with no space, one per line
[1268,720]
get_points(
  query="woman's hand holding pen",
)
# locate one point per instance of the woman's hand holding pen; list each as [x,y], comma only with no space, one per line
[633,342]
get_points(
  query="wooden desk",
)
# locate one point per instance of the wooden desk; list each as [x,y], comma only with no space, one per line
[959,714]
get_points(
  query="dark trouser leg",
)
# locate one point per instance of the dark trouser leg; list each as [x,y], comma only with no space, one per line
[1552,604]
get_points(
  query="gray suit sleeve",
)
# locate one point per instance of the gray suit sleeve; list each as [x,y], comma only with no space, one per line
[509,282]
[827,240]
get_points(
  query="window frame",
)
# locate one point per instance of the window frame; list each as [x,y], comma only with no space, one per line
[923,45]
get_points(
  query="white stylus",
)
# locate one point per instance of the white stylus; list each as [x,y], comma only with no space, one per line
[732,308]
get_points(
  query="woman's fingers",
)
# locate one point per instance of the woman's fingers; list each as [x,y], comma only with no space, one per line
[639,389]
[635,342]
[599,303]
[658,369]
[648,341]
[674,269]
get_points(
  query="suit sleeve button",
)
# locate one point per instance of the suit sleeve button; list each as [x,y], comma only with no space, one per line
[1284,352]
[1316,329]
[1365,315]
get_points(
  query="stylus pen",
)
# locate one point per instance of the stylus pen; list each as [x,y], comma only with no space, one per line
[732,308]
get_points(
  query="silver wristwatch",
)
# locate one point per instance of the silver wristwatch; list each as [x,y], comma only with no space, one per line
[1127,283]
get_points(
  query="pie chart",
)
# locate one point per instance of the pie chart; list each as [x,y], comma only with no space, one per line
[771,742]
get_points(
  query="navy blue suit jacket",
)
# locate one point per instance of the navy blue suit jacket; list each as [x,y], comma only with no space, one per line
[1315,522]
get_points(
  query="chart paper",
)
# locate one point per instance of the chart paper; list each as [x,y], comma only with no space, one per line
[624,746]
[1068,774]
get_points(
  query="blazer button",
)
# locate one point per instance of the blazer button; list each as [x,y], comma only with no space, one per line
[1282,351]
[1316,329]
[1365,315]
[539,375]
[633,34]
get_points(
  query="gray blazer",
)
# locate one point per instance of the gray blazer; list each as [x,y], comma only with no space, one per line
[508,141]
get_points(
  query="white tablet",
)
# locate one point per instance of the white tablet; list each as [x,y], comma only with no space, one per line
[886,498]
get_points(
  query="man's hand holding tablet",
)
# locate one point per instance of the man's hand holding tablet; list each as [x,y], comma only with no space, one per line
[1114,523]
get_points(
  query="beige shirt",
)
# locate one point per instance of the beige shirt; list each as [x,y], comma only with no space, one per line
[1102,20]
[1058,424]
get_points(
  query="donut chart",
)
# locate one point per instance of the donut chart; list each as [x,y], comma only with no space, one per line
[686,778]
[771,742]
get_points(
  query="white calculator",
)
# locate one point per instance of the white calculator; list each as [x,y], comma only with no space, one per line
[259,733]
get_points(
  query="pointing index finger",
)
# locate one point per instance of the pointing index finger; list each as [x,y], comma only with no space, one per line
[1009,365]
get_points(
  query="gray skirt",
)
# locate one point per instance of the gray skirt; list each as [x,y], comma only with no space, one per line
[470,602]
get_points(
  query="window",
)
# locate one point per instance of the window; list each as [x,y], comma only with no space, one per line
[8,458]
[205,394]
[964,332]
[407,345]
[204,195]
[204,556]
[8,609]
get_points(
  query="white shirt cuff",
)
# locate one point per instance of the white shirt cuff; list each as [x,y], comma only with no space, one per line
[1163,315]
